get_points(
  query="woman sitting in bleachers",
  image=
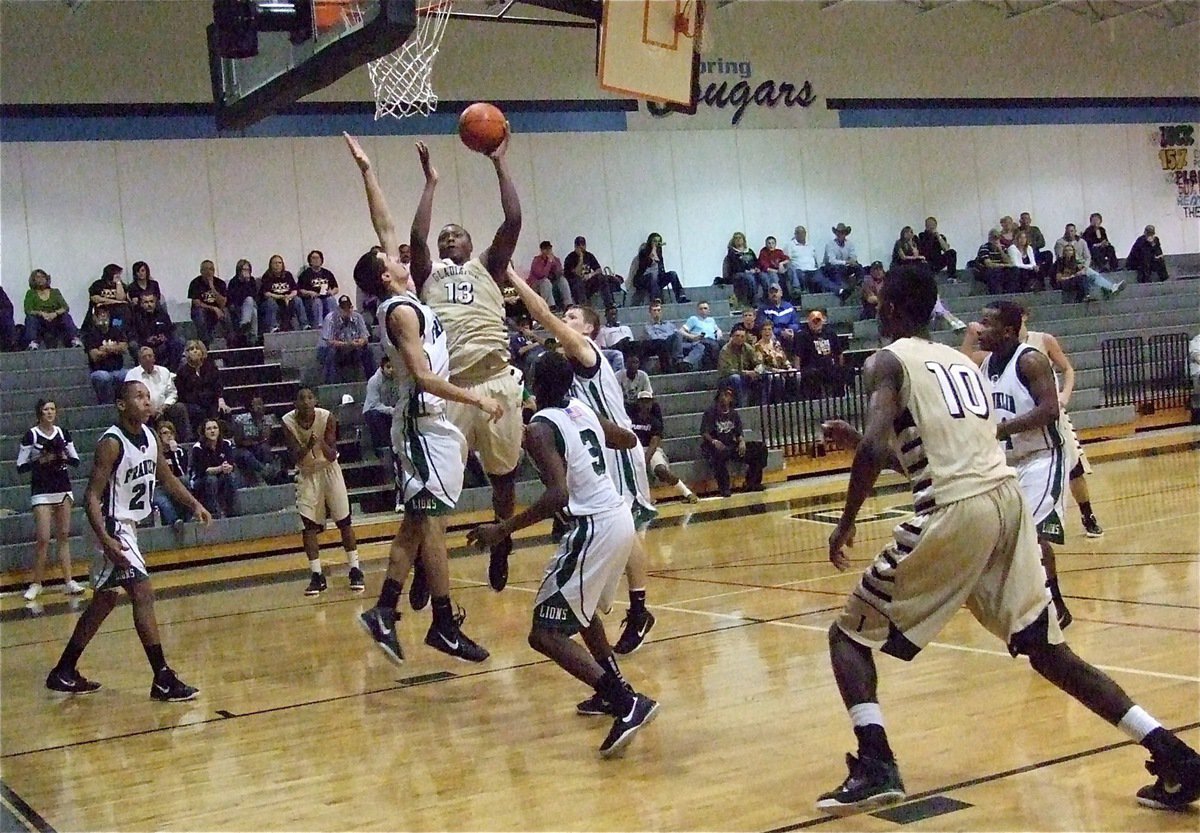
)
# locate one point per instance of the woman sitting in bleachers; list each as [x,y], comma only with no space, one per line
[1085,284]
[170,512]
[47,314]
[198,383]
[215,479]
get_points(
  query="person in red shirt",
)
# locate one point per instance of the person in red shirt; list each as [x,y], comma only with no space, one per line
[546,273]
[773,263]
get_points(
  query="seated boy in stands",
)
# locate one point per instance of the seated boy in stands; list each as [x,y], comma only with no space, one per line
[648,426]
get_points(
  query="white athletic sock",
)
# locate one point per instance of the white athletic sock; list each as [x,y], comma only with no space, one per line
[352,557]
[864,714]
[314,566]
[682,488]
[1137,724]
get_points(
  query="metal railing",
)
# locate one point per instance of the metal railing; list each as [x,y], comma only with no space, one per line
[792,406]
[1150,374]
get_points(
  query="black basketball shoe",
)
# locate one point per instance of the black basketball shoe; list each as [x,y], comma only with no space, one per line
[358,581]
[626,726]
[1177,784]
[498,564]
[870,785]
[168,688]
[1091,527]
[70,682]
[316,584]
[635,627]
[451,640]
[380,625]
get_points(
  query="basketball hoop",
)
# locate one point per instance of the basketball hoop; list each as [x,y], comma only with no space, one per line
[401,80]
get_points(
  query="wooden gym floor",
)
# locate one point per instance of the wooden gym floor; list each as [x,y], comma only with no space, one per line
[302,724]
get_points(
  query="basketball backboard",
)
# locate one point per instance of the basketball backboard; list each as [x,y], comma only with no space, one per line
[285,65]
[650,48]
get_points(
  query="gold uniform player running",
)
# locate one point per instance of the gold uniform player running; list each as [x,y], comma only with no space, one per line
[120,493]
[971,541]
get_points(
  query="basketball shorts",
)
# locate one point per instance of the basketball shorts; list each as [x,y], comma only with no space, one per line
[1076,455]
[627,468]
[430,457]
[981,551]
[498,444]
[321,495]
[105,574]
[1043,478]
[583,574]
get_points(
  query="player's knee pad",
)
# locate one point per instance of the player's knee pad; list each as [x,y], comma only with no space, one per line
[310,525]
[345,522]
[1033,636]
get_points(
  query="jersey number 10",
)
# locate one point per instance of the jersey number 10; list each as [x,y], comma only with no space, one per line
[962,390]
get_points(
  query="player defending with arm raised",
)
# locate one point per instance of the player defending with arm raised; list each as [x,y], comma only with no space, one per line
[464,292]
[129,464]
[971,541]
[565,439]
[596,384]
[430,451]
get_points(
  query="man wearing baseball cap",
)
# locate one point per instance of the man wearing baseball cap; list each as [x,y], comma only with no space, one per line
[343,343]
[648,425]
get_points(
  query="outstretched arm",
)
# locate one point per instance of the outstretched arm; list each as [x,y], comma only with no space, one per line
[498,255]
[574,345]
[404,330]
[418,237]
[381,216]
[539,442]
[883,376]
[1059,359]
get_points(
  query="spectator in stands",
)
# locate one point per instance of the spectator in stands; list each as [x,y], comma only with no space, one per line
[748,324]
[782,316]
[252,453]
[820,358]
[1194,362]
[1025,258]
[1146,257]
[1085,284]
[1070,238]
[244,290]
[841,270]
[906,252]
[105,346]
[647,423]
[153,328]
[995,268]
[660,338]
[209,297]
[379,405]
[1097,239]
[634,380]
[616,336]
[546,275]
[48,454]
[198,383]
[721,440]
[936,249]
[170,512]
[141,285]
[775,364]
[871,286]
[1032,233]
[160,381]
[1008,231]
[738,365]
[215,479]
[109,292]
[8,323]
[281,305]
[585,277]
[699,341]
[741,270]
[344,337]
[317,288]
[524,345]
[802,264]
[773,263]
[47,314]
[648,272]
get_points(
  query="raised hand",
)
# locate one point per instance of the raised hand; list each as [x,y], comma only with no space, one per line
[360,155]
[431,174]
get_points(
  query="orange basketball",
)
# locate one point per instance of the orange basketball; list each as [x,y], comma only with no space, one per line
[482,127]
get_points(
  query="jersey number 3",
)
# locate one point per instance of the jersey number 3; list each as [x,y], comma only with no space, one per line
[962,390]
[593,446]
[460,292]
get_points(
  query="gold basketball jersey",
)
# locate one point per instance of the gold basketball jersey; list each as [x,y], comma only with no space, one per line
[945,434]
[470,306]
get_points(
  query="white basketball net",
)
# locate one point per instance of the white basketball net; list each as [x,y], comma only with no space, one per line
[401,80]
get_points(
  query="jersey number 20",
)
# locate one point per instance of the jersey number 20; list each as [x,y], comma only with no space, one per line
[961,389]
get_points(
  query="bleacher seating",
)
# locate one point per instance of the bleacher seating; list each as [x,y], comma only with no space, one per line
[286,360]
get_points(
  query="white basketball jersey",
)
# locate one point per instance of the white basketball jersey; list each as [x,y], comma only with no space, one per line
[945,437]
[580,440]
[1011,398]
[599,389]
[314,459]
[471,307]
[414,401]
[129,494]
